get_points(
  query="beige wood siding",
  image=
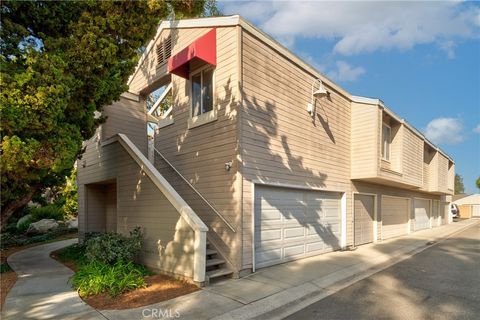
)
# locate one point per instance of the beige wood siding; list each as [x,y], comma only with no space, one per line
[200,153]
[126,116]
[281,143]
[364,139]
[412,158]
[442,173]
[169,240]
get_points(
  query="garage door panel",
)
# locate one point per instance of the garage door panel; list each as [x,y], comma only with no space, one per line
[436,221]
[422,214]
[271,215]
[268,256]
[268,235]
[293,251]
[394,217]
[364,206]
[309,223]
[290,233]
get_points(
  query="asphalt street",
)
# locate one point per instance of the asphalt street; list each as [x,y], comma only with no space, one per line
[441,282]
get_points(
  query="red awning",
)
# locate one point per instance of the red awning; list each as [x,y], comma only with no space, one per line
[203,48]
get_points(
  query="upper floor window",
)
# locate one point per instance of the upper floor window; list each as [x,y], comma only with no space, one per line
[202,91]
[386,141]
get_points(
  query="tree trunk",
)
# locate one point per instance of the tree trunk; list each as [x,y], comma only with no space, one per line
[13,206]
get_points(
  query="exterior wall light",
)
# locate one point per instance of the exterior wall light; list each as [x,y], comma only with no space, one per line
[316,94]
[228,165]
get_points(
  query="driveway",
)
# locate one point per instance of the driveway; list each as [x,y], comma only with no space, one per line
[442,282]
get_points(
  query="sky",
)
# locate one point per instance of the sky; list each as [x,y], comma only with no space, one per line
[422,59]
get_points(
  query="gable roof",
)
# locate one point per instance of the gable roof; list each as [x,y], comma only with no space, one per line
[231,21]
[236,20]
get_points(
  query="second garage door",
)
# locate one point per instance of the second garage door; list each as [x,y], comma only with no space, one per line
[292,224]
[436,218]
[364,206]
[422,214]
[394,216]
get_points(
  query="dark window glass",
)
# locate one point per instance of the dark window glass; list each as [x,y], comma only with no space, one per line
[196,94]
[207,91]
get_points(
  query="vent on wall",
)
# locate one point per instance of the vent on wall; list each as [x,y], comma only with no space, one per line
[164,50]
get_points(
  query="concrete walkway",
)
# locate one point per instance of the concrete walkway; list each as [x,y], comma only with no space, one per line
[276,292]
[42,290]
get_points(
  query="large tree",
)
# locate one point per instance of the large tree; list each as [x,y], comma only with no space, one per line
[459,187]
[60,62]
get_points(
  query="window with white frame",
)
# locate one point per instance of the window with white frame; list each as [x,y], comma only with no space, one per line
[202,91]
[386,141]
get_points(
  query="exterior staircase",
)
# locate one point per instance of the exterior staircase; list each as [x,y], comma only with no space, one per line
[216,266]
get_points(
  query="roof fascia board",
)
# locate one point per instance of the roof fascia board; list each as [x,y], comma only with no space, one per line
[366,100]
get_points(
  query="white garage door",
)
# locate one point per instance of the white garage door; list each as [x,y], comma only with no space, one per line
[475,210]
[436,214]
[363,215]
[394,217]
[422,214]
[292,224]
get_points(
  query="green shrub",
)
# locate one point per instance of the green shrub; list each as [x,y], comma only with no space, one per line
[111,247]
[10,240]
[48,212]
[96,277]
[74,253]
[22,227]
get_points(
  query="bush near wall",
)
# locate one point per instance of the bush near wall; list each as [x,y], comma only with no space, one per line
[106,263]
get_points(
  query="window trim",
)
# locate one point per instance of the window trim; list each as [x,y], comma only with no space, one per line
[164,119]
[209,116]
[389,143]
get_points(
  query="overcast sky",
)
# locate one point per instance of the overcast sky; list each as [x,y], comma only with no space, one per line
[421,58]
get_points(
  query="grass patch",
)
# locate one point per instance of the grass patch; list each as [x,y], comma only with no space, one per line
[74,253]
[95,278]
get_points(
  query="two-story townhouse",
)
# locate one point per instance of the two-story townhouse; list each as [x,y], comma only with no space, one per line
[254,159]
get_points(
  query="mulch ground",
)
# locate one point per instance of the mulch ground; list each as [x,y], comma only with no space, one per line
[8,279]
[159,288]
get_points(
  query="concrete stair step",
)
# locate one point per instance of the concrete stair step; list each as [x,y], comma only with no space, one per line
[218,273]
[214,262]
[210,252]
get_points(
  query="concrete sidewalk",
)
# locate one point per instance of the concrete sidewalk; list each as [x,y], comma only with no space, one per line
[42,290]
[279,291]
